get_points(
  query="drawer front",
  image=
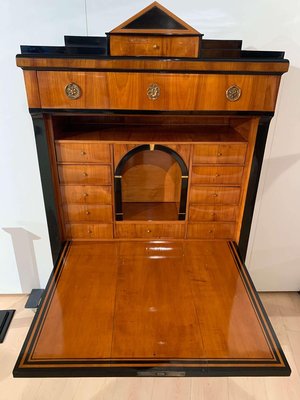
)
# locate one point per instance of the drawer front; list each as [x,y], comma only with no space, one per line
[217,175]
[82,152]
[219,154]
[86,194]
[157,91]
[87,212]
[156,46]
[198,212]
[84,174]
[89,231]
[208,230]
[175,231]
[214,195]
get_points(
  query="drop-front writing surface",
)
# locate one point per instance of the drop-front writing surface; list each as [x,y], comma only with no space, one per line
[150,153]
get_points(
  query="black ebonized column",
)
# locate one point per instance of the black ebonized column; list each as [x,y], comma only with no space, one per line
[47,185]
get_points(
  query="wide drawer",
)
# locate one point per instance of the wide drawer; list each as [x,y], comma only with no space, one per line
[156,46]
[89,231]
[198,212]
[84,174]
[87,212]
[216,230]
[86,194]
[82,152]
[125,230]
[156,91]
[219,153]
[214,195]
[217,175]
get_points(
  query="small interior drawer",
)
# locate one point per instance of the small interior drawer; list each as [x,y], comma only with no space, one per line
[217,175]
[86,194]
[214,195]
[216,230]
[89,231]
[126,230]
[198,212]
[84,174]
[220,153]
[87,212]
[82,152]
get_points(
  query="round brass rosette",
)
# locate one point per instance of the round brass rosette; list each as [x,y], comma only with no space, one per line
[233,93]
[73,91]
[153,91]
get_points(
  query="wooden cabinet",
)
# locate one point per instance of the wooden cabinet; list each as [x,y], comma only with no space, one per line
[150,145]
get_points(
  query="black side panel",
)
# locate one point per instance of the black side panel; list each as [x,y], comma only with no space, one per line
[47,185]
[258,156]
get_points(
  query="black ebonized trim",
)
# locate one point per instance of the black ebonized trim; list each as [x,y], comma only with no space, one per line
[34,298]
[78,111]
[6,317]
[47,184]
[131,153]
[272,367]
[256,166]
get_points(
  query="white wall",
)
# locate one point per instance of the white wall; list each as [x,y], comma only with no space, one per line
[274,249]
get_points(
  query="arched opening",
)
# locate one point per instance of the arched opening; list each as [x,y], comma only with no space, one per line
[151,185]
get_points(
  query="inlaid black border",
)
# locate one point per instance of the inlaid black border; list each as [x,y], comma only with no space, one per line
[208,367]
[122,163]
[7,318]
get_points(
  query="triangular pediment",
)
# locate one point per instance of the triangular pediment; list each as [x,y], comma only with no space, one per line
[155,19]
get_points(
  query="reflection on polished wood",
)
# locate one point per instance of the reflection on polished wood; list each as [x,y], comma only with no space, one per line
[178,304]
[155,211]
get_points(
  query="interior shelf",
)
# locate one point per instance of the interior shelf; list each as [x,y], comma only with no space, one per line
[152,211]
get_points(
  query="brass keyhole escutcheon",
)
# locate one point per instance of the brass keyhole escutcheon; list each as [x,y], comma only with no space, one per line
[233,93]
[153,91]
[73,91]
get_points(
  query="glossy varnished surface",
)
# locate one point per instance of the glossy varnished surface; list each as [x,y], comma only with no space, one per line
[179,306]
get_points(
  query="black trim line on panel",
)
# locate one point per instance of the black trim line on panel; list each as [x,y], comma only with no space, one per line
[82,111]
[131,153]
[57,266]
[260,308]
[256,166]
[40,132]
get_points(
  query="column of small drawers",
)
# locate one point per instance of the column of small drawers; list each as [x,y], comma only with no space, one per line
[84,171]
[214,199]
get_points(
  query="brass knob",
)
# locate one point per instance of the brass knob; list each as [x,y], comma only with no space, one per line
[153,91]
[73,91]
[233,93]
[87,212]
[84,174]
[215,195]
[219,154]
[90,231]
[217,175]
[85,194]
[156,46]
[148,230]
[83,153]
[211,231]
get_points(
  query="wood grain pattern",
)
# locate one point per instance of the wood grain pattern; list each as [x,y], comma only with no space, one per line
[89,231]
[150,230]
[141,314]
[217,175]
[86,194]
[219,153]
[198,212]
[157,46]
[68,152]
[214,195]
[128,91]
[216,230]
[87,212]
[84,174]
[152,64]
[32,89]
